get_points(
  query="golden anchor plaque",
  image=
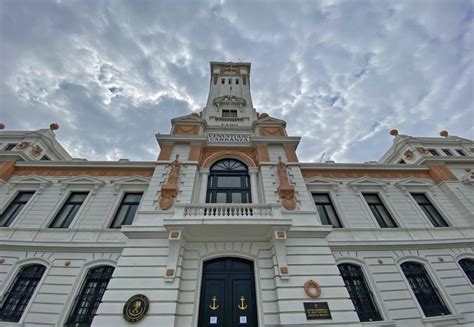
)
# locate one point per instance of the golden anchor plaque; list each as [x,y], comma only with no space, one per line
[214,306]
[242,306]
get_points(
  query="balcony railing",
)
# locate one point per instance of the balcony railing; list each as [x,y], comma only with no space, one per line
[214,210]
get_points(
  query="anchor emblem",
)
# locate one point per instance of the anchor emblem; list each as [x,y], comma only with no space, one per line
[242,305]
[213,306]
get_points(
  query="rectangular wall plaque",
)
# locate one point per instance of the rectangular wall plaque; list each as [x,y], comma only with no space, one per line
[317,310]
[228,138]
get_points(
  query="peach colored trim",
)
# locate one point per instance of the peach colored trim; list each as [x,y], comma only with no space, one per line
[6,170]
[291,154]
[262,153]
[89,171]
[210,157]
[271,131]
[165,152]
[195,153]
[441,173]
[349,173]
[185,129]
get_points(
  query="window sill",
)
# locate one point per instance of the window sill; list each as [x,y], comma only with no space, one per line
[442,319]
[382,323]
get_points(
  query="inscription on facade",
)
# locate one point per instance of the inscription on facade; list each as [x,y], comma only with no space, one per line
[228,138]
[317,310]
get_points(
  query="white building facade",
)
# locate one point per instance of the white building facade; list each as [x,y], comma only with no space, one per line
[228,228]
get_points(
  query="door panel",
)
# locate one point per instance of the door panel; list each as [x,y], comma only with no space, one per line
[228,294]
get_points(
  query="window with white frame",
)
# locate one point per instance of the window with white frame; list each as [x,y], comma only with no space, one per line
[378,209]
[426,293]
[326,210]
[69,210]
[467,265]
[430,211]
[14,208]
[127,209]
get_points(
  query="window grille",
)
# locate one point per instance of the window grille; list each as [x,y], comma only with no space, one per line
[430,211]
[88,300]
[326,210]
[127,209]
[434,152]
[425,292]
[379,211]
[69,210]
[229,113]
[360,293]
[10,146]
[20,292]
[14,208]
[228,182]
[448,152]
[467,266]
[460,152]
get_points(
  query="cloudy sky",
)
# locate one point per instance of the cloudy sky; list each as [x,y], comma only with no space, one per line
[341,73]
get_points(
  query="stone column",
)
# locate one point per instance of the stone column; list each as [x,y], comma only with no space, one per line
[253,184]
[203,188]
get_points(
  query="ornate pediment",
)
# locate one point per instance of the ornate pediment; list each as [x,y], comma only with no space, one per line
[86,181]
[229,100]
[131,181]
[367,182]
[30,181]
[320,181]
[413,182]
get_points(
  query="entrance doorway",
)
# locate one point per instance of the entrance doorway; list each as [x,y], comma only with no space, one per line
[228,294]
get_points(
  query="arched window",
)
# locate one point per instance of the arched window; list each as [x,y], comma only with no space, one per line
[20,292]
[425,291]
[90,296]
[228,182]
[359,292]
[468,266]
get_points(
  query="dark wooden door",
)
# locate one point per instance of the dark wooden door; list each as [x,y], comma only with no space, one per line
[228,294]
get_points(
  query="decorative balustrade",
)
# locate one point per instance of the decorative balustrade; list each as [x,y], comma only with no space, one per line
[227,210]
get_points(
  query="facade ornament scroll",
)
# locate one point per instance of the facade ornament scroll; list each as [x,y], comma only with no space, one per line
[36,151]
[170,189]
[22,145]
[286,191]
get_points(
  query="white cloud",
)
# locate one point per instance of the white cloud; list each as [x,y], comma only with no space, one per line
[342,73]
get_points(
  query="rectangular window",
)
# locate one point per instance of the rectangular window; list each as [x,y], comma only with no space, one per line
[229,113]
[379,211]
[14,208]
[10,146]
[447,152]
[429,210]
[326,210]
[434,152]
[460,152]
[69,210]
[127,209]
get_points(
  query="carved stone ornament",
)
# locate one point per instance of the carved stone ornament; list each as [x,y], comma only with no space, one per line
[312,289]
[408,154]
[422,150]
[285,190]
[170,189]
[36,151]
[22,145]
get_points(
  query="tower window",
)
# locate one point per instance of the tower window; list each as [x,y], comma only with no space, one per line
[230,80]
[90,296]
[223,81]
[359,291]
[19,294]
[229,113]
[425,291]
[237,81]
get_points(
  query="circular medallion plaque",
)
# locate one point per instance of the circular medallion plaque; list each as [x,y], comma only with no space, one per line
[312,289]
[135,308]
